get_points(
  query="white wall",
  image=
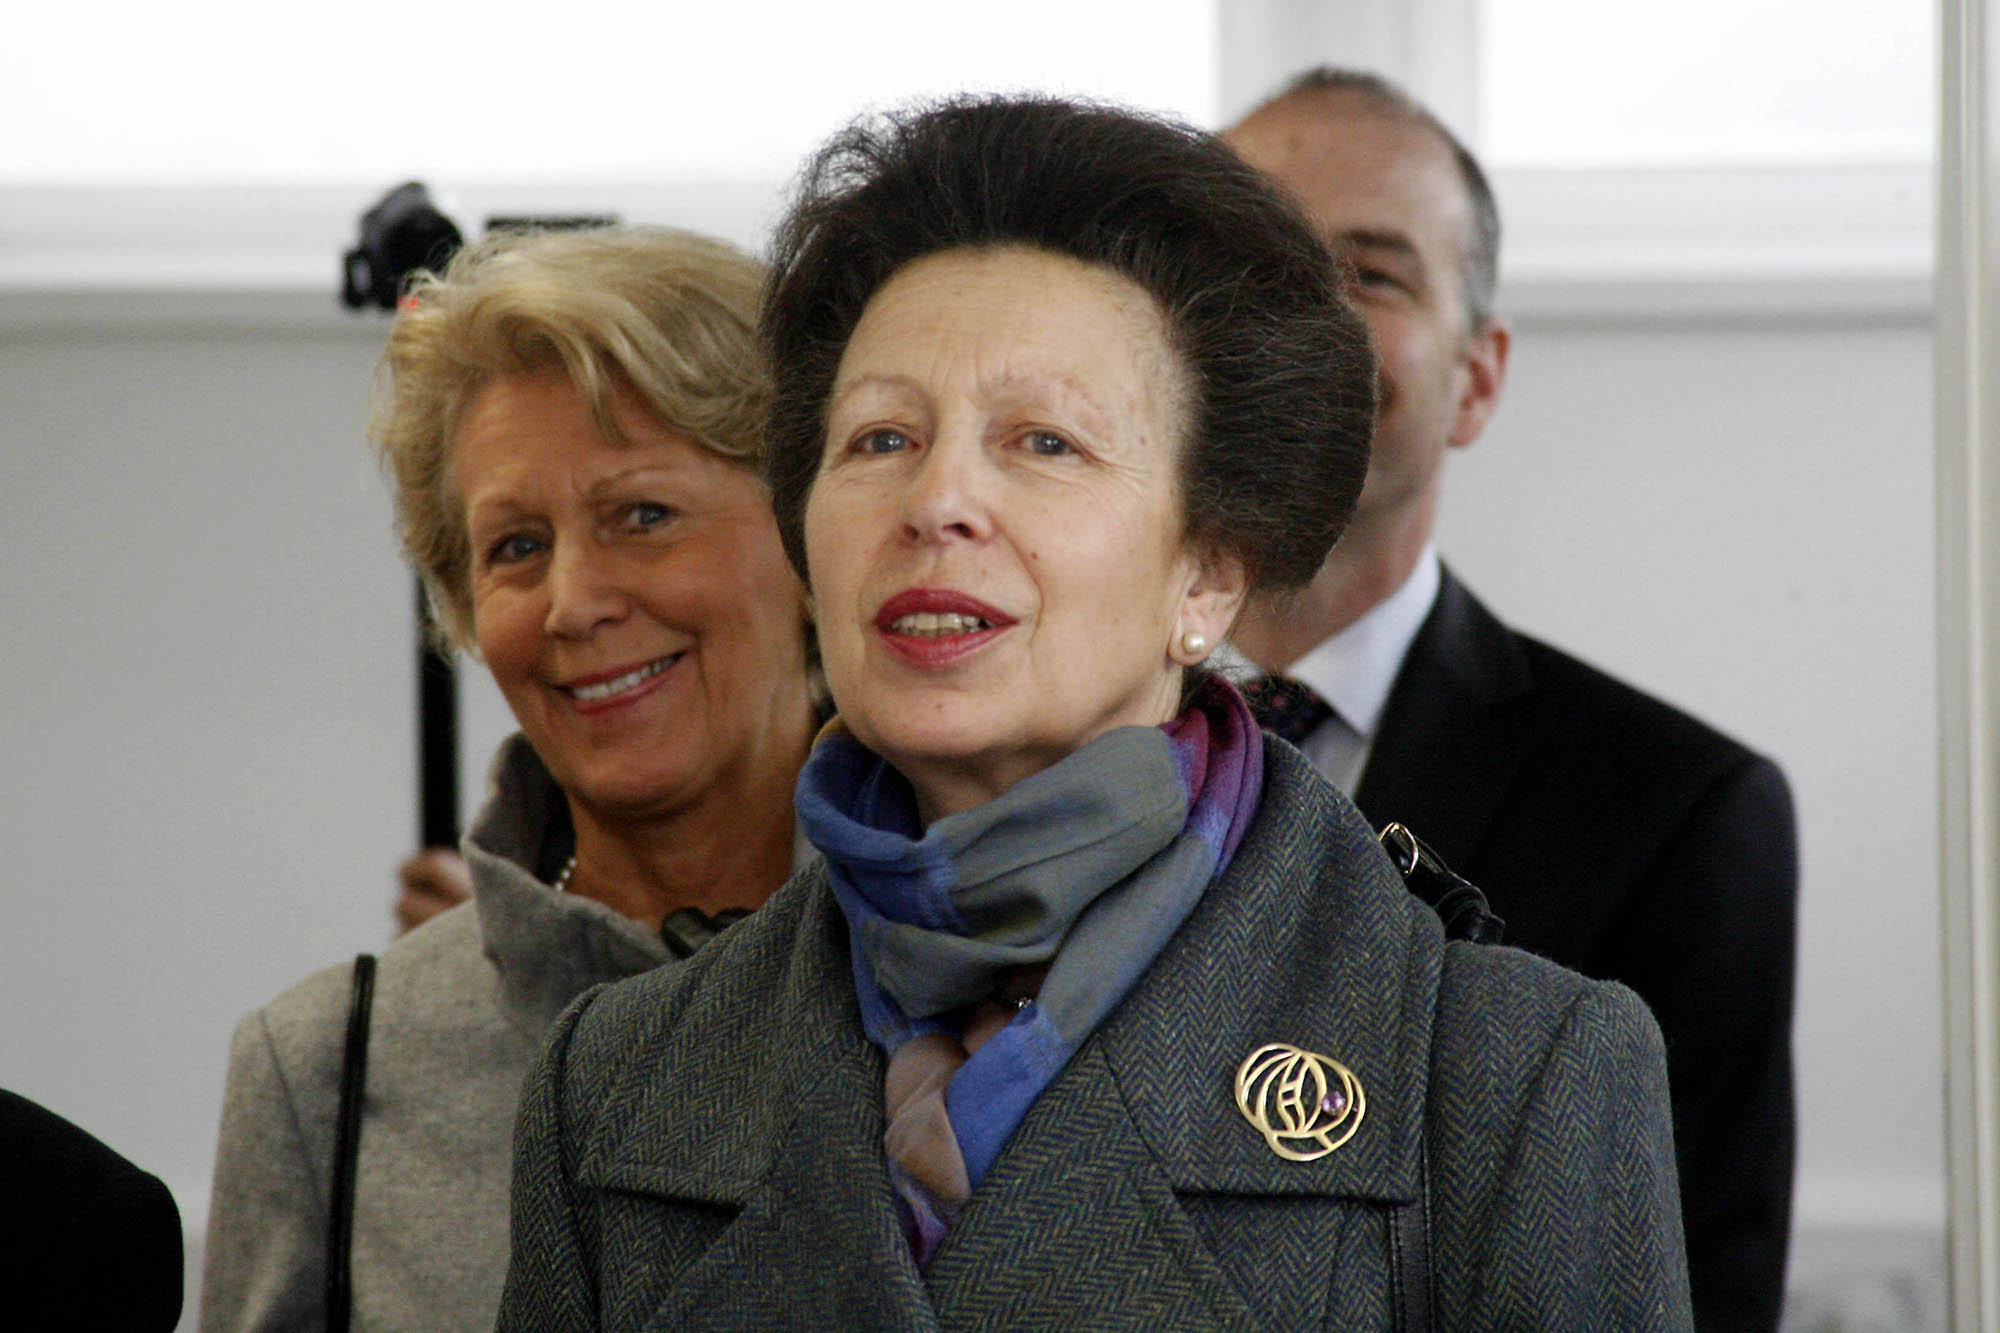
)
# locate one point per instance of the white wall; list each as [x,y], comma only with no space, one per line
[207,734]
[208,738]
[1736,514]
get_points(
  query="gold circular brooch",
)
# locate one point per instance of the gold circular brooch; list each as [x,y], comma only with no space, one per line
[1304,1105]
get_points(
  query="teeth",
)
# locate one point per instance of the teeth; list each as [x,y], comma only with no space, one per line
[933,624]
[630,680]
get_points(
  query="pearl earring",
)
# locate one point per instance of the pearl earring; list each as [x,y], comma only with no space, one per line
[1194,644]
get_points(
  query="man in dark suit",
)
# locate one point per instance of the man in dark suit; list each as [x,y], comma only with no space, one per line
[1613,833]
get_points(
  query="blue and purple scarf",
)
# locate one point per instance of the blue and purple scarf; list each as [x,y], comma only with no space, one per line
[1085,869]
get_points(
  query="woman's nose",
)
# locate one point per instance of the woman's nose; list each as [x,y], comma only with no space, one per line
[949,494]
[584,589]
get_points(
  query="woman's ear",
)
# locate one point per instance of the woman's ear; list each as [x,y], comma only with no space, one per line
[1217,585]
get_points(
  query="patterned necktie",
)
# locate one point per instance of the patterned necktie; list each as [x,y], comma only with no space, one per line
[1285,708]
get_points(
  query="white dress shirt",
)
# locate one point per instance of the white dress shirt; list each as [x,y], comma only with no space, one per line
[1355,669]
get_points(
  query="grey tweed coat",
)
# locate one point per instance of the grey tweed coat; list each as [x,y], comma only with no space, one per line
[461,1005]
[701,1148]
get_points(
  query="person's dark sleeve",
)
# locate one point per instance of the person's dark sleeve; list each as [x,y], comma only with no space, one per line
[1713,954]
[97,1241]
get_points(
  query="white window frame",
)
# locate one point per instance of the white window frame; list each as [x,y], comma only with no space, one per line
[1580,245]
[1968,562]
[1624,244]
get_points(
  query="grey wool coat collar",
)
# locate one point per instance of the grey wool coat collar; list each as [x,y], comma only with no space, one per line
[547,947]
[704,1150]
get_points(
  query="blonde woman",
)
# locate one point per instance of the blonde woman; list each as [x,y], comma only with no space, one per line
[572,422]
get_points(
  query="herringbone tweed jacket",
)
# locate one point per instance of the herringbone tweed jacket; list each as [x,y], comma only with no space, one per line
[1627,840]
[702,1148]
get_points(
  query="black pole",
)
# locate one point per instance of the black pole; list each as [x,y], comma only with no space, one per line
[437,736]
[405,231]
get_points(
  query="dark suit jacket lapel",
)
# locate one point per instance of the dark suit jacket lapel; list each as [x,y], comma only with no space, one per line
[1079,1214]
[778,1120]
[1452,734]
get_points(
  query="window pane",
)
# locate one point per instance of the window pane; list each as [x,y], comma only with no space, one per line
[1577,83]
[230,91]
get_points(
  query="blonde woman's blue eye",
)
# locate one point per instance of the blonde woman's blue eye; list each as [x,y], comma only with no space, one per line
[648,515]
[1048,444]
[512,549]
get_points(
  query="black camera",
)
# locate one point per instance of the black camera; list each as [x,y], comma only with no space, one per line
[403,233]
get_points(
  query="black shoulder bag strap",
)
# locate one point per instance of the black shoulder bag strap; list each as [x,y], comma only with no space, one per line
[346,1144]
[1458,904]
[1463,910]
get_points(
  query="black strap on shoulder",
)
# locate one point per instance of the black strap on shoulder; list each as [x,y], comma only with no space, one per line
[1412,1284]
[1458,904]
[1462,908]
[346,1145]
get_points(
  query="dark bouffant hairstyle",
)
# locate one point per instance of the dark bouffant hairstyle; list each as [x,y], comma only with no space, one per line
[1282,378]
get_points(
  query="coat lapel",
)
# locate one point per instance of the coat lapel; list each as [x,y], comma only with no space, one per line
[1310,940]
[1452,735]
[816,1242]
[756,1159]
[766,1146]
[1077,1227]
[1088,1209]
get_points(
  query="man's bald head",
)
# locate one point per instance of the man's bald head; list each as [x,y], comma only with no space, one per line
[1331,89]
[1410,213]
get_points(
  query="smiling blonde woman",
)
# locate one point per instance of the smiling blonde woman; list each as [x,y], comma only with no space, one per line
[1103,1010]
[573,422]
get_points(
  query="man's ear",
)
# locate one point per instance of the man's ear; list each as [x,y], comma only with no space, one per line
[1485,364]
[1214,595]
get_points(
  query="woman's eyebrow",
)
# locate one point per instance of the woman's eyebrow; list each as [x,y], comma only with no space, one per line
[1074,394]
[875,379]
[651,467]
[1009,385]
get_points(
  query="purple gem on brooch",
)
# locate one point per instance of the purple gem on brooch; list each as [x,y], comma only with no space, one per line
[1334,1103]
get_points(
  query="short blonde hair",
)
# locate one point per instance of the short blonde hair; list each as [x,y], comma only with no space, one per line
[666,313]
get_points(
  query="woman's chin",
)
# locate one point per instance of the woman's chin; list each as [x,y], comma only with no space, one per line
[956,770]
[943,743]
[636,792]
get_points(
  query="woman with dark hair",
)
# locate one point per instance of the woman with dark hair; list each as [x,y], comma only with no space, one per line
[1102,1009]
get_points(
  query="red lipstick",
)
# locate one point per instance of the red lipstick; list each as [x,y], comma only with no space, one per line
[937,646]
